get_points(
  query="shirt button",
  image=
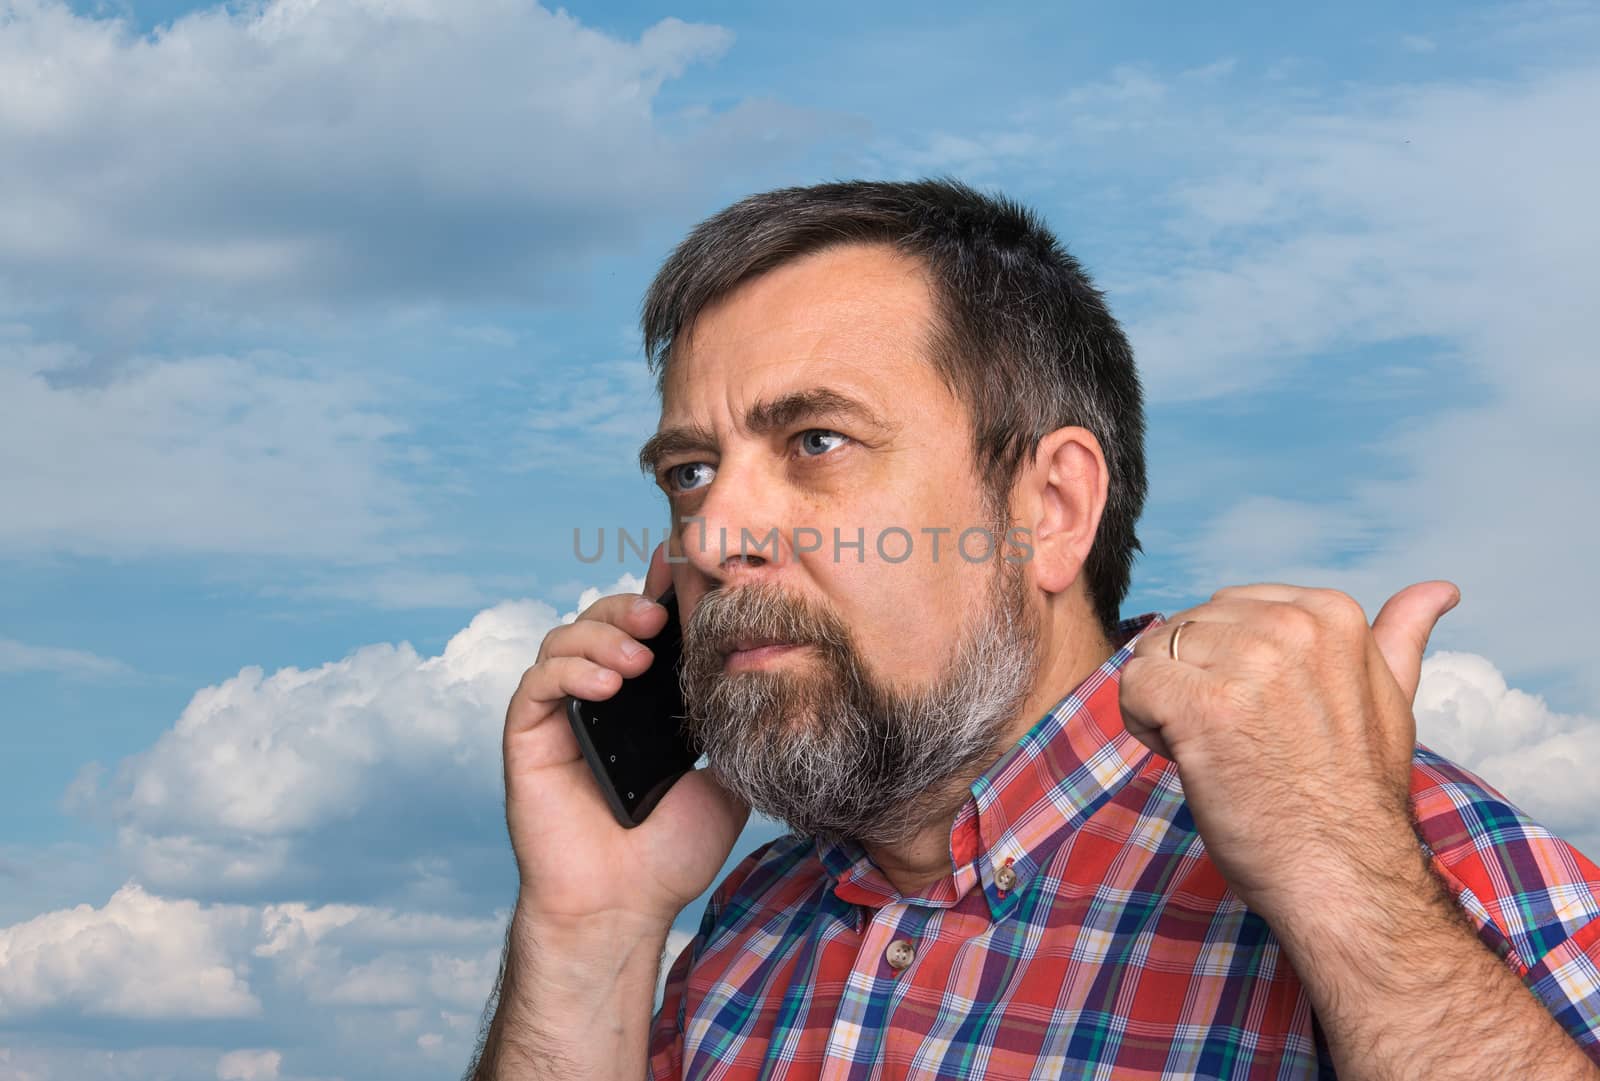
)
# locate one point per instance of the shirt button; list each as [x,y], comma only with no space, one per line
[900,954]
[1005,877]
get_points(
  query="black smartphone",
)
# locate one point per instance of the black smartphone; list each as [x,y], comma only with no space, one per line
[634,741]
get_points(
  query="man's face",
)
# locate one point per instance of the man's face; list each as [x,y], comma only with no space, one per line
[802,415]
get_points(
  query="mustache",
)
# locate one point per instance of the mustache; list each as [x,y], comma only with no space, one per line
[763,612]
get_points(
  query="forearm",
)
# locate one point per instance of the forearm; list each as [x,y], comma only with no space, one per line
[574,1002]
[1403,988]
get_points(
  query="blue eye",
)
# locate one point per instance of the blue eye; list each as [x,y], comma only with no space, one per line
[689,475]
[818,441]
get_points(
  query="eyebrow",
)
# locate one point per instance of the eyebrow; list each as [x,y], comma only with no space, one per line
[762,418]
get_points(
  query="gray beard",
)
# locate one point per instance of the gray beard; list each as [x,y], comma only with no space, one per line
[834,753]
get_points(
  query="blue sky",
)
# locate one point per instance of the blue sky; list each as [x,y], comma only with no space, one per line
[317,340]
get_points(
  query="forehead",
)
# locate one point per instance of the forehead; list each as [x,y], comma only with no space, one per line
[858,316]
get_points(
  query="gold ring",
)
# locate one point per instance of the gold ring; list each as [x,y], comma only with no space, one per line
[1172,643]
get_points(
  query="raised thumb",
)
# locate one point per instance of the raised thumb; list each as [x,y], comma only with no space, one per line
[1404,624]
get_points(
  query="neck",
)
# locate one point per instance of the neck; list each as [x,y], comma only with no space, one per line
[1072,648]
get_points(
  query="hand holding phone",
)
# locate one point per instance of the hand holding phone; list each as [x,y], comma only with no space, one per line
[634,741]
[575,861]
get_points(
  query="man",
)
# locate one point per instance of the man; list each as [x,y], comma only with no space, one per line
[1028,839]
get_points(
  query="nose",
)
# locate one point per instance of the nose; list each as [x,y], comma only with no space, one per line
[739,528]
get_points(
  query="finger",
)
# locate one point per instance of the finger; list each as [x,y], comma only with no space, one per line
[604,643]
[536,733]
[1228,610]
[1330,604]
[635,613]
[545,684]
[1201,643]
[1210,629]
[1404,625]
[1281,592]
[1138,725]
[1163,702]
[659,576]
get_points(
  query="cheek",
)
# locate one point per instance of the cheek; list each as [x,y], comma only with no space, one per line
[906,616]
[899,532]
[908,589]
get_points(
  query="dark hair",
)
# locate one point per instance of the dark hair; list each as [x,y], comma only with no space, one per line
[1024,337]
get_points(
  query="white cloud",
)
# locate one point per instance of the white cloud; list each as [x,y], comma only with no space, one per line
[1216,70]
[1541,760]
[72,1062]
[353,955]
[38,878]
[1452,222]
[248,161]
[981,155]
[1264,531]
[249,1066]
[398,588]
[371,981]
[18,656]
[140,956]
[317,151]
[196,455]
[588,419]
[1129,102]
[488,334]
[238,797]
[1443,211]
[380,771]
[1128,86]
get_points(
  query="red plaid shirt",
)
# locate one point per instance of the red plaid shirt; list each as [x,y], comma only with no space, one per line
[1085,932]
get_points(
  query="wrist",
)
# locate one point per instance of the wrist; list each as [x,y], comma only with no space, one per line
[581,953]
[589,925]
[1339,873]
[574,997]
[1368,910]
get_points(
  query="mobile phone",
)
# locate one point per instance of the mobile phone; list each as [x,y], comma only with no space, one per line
[634,741]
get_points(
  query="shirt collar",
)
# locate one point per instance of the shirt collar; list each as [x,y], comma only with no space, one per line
[1075,758]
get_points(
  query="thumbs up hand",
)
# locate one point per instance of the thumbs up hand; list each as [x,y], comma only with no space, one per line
[1289,719]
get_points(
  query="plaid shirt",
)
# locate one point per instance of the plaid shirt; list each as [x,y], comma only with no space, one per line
[1117,950]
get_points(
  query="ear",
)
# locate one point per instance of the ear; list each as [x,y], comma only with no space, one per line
[1059,498]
